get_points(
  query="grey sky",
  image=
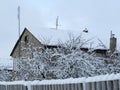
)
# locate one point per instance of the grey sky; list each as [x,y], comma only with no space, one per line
[99,16]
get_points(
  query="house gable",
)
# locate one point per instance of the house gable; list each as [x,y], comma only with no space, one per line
[23,39]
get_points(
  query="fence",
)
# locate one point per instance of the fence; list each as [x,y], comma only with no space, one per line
[77,86]
[112,83]
[100,85]
[103,85]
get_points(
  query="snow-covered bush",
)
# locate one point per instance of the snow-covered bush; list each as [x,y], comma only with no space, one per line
[5,75]
[65,61]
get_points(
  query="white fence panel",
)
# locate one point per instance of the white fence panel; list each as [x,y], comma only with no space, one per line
[93,86]
[16,87]
[88,86]
[116,85]
[98,85]
[2,87]
[104,85]
[109,85]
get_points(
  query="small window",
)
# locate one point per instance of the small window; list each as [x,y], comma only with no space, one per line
[26,39]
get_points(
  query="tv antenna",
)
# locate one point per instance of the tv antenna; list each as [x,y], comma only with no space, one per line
[57,22]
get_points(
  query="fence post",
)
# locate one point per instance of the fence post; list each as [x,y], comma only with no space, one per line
[115,84]
[55,87]
[109,85]
[72,86]
[47,87]
[80,86]
[98,86]
[88,86]
[119,84]
[104,85]
[44,87]
[65,87]
[93,86]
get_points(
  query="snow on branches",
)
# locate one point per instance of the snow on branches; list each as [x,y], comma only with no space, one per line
[65,61]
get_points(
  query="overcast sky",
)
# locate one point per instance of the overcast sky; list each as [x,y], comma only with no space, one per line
[99,16]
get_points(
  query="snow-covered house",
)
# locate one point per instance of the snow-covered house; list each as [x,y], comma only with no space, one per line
[51,38]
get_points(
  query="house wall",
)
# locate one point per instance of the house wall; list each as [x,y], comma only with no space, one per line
[31,40]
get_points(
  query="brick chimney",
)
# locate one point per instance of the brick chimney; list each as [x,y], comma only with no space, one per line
[113,42]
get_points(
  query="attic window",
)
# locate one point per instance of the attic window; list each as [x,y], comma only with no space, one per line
[26,39]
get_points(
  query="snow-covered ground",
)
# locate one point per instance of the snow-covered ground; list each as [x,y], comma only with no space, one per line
[6,63]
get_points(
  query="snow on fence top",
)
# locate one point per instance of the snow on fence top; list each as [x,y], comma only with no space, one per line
[79,80]
[66,81]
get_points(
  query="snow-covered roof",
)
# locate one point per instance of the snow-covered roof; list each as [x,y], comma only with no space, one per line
[52,36]
[6,64]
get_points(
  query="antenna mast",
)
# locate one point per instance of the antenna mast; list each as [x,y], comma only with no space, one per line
[19,30]
[111,34]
